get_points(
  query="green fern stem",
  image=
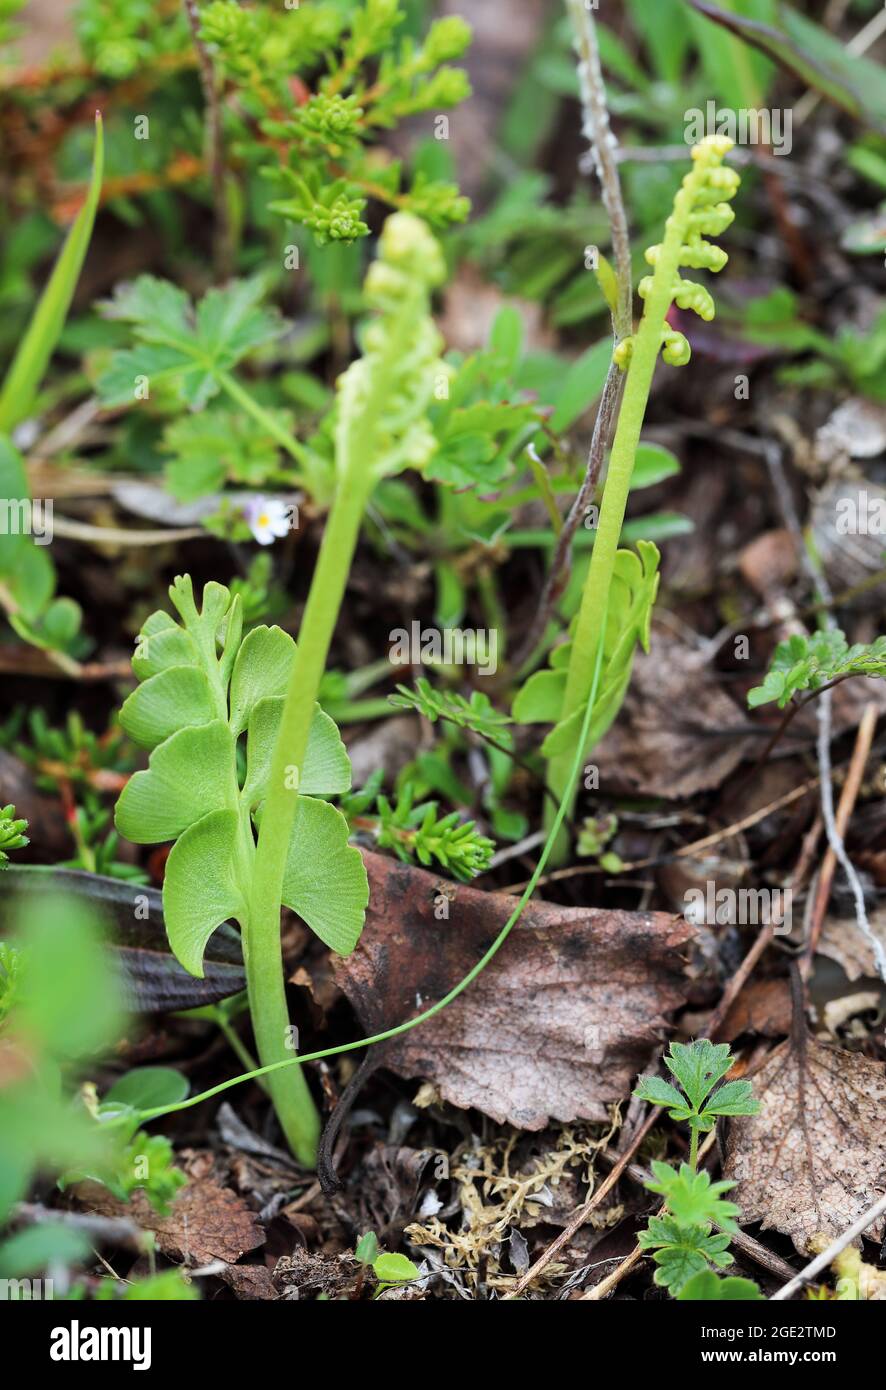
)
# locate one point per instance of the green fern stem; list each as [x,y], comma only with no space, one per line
[641,352]
[267,996]
[357,448]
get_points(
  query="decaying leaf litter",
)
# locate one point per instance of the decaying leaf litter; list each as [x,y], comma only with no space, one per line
[471,1142]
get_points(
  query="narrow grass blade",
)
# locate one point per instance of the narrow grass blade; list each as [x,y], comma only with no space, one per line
[30,362]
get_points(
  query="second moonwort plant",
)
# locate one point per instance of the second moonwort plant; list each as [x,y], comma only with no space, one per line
[203,690]
[701,209]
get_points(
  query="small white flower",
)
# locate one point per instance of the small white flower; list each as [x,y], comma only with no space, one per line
[267,518]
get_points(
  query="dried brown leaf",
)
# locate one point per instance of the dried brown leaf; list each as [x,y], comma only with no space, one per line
[390,1183]
[677,733]
[206,1221]
[556,1027]
[814,1158]
[763,1007]
[843,940]
[249,1282]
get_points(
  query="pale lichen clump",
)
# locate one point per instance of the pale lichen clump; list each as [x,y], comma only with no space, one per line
[500,1193]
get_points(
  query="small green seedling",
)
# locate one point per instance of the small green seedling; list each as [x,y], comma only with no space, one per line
[390,1270]
[683,1236]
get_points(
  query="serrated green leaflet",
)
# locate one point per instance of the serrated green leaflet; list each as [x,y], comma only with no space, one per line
[186,349]
[809,663]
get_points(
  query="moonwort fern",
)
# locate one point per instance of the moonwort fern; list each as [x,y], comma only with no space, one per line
[203,689]
[701,209]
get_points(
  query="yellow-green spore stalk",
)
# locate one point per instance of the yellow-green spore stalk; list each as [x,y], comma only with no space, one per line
[382,427]
[701,208]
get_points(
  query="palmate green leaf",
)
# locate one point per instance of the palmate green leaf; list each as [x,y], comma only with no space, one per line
[682,1250]
[32,357]
[200,890]
[154,364]
[188,348]
[188,775]
[698,1066]
[325,880]
[676,1264]
[470,440]
[540,700]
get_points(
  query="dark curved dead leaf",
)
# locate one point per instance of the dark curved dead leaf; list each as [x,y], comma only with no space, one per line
[153,979]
